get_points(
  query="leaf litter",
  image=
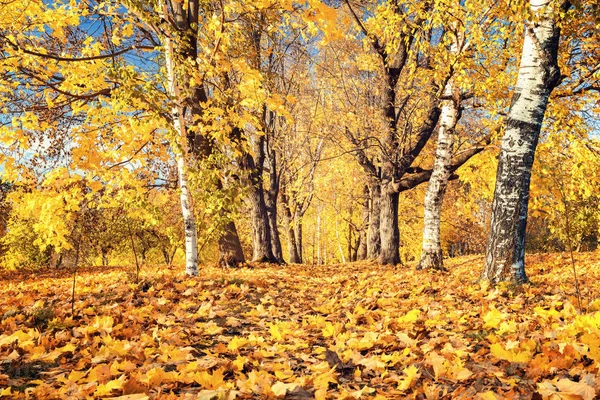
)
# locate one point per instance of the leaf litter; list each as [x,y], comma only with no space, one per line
[348,331]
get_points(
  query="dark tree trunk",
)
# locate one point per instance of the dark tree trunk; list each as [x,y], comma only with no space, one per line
[104,252]
[292,248]
[361,252]
[538,75]
[271,203]
[294,256]
[166,256]
[390,234]
[298,237]
[261,231]
[274,231]
[373,234]
[230,248]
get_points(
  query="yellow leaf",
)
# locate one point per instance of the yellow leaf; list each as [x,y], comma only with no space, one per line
[219,394]
[438,363]
[236,343]
[514,355]
[239,362]
[208,380]
[373,363]
[410,317]
[280,389]
[412,373]
[583,388]
[329,330]
[275,332]
[489,395]
[108,387]
[493,318]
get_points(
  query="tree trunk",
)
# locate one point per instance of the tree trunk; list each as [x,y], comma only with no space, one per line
[271,202]
[231,253]
[298,236]
[104,253]
[165,254]
[187,208]
[431,256]
[289,224]
[373,235]
[319,234]
[538,75]
[292,248]
[230,248]
[261,231]
[390,234]
[361,253]
[275,239]
[350,248]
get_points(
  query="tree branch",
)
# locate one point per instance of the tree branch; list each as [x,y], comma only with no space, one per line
[75,59]
[414,180]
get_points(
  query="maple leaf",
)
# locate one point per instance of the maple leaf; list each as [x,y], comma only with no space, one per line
[493,318]
[498,351]
[208,380]
[412,374]
[220,394]
[410,317]
[567,389]
[280,389]
[108,387]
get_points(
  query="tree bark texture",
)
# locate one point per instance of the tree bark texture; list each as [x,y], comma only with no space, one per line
[184,18]
[538,75]
[431,254]
[230,248]
[187,208]
[373,235]
[271,202]
[361,253]
[294,257]
[390,233]
[298,234]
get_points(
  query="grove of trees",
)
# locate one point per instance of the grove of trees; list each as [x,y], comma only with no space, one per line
[282,131]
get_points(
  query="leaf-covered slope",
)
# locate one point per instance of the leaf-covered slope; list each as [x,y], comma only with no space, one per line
[343,331]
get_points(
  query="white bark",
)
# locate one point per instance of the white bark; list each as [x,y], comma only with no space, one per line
[187,205]
[538,75]
[431,255]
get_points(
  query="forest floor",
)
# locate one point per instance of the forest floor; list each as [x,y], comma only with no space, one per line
[299,332]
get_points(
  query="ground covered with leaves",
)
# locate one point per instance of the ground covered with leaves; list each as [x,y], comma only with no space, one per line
[301,332]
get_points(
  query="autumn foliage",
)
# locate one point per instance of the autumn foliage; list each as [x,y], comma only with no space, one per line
[339,331]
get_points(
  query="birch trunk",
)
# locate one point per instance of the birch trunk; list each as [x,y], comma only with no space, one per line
[431,255]
[187,205]
[537,77]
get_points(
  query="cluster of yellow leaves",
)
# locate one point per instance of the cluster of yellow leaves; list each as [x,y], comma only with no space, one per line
[346,331]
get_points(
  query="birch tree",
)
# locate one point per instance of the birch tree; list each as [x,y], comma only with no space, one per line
[538,75]
[178,120]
